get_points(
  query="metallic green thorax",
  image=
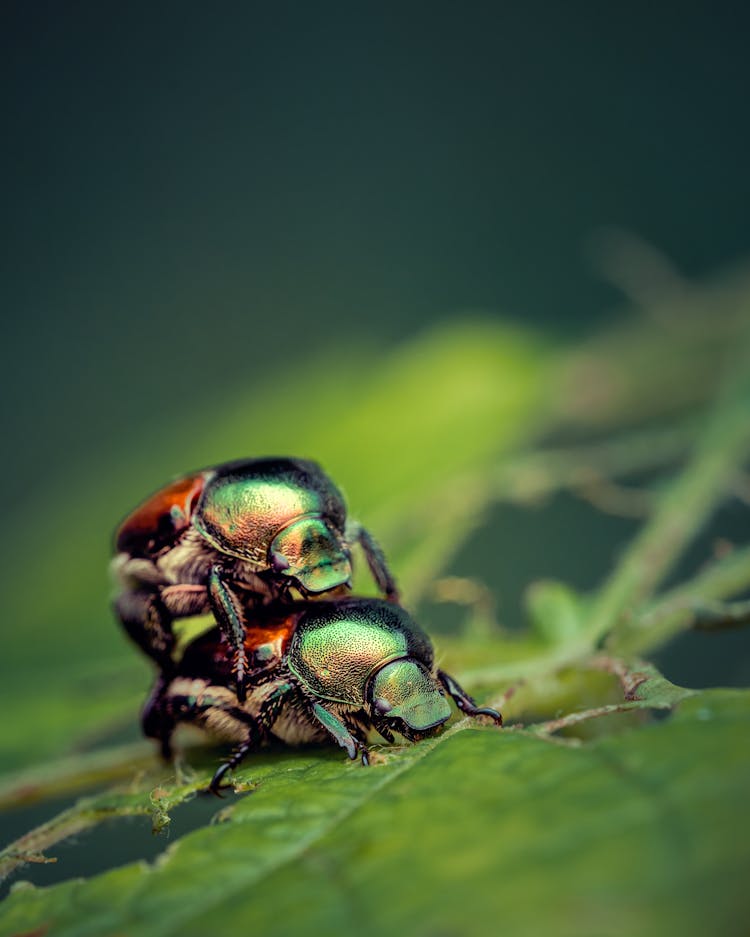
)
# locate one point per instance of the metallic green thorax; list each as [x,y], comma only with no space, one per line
[337,647]
[286,515]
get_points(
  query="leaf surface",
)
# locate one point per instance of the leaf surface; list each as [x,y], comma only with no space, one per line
[452,836]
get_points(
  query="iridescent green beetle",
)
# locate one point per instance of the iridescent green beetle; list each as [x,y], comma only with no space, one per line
[327,669]
[229,539]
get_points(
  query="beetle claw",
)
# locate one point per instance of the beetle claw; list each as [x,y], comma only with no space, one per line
[241,690]
[216,786]
[464,702]
[486,711]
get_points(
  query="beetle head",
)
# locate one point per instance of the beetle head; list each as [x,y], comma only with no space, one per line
[406,698]
[311,553]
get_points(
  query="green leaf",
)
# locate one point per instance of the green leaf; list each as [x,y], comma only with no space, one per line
[554,611]
[453,836]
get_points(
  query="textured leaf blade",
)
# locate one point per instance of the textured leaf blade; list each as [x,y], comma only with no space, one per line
[636,832]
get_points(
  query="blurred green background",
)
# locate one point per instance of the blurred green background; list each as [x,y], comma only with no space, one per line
[207,209]
[195,197]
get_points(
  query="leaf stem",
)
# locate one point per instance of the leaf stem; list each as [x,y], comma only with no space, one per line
[679,609]
[74,774]
[681,510]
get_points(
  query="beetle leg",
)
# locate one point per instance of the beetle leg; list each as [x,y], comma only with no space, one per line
[333,725]
[273,704]
[464,702]
[157,719]
[254,583]
[257,728]
[216,787]
[381,727]
[228,610]
[375,560]
[360,737]
[182,601]
[148,624]
[167,710]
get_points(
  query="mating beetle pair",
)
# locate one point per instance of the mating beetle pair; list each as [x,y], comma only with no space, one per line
[239,540]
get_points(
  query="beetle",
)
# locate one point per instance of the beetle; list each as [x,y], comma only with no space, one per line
[228,539]
[319,670]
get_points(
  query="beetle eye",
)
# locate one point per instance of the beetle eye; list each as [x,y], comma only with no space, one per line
[279,563]
[382,707]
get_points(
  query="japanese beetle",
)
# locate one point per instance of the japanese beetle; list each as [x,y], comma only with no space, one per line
[228,539]
[326,669]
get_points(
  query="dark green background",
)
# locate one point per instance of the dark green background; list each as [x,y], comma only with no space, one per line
[196,195]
